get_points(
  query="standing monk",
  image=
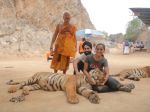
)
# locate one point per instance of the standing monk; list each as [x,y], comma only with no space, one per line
[65,44]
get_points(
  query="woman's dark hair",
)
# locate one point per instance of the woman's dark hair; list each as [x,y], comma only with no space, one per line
[87,43]
[101,45]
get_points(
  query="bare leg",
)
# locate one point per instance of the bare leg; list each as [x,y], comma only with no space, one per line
[64,71]
[55,71]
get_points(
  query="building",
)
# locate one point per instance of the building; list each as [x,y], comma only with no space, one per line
[144,15]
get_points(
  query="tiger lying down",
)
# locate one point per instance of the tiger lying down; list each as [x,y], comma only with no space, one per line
[134,74]
[55,81]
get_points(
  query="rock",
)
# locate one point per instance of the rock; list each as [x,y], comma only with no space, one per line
[27,26]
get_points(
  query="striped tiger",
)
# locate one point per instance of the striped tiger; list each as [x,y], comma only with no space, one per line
[71,84]
[134,74]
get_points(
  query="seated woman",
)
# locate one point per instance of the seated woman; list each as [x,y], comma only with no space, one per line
[98,60]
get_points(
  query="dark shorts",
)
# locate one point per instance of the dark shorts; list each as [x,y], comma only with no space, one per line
[80,66]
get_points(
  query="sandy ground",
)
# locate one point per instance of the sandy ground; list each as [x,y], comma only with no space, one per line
[42,101]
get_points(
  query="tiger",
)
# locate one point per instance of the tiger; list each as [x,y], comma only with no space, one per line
[70,84]
[134,74]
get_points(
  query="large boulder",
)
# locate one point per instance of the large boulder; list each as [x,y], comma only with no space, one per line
[27,26]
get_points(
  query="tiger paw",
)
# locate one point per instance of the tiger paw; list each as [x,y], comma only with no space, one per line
[12,89]
[73,100]
[136,79]
[9,82]
[94,98]
[17,99]
[25,90]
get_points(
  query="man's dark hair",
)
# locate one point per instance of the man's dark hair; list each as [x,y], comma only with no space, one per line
[87,43]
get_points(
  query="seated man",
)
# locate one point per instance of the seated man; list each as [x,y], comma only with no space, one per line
[78,63]
[137,45]
[141,44]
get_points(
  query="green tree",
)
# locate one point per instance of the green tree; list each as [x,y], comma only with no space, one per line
[134,28]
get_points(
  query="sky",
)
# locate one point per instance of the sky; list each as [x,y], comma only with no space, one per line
[112,16]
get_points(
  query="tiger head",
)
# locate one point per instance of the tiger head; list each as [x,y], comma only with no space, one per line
[97,75]
[147,70]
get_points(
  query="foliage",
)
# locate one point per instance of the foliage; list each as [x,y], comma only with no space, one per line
[116,37]
[134,28]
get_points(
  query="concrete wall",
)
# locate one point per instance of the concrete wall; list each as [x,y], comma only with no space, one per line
[148,40]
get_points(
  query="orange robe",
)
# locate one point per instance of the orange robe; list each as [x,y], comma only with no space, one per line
[65,47]
[81,50]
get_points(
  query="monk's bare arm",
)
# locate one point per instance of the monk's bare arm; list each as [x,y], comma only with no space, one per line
[54,36]
[75,65]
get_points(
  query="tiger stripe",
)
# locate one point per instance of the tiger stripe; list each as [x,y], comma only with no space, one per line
[55,81]
[135,74]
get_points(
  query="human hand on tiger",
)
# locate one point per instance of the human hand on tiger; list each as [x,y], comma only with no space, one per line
[105,80]
[91,81]
[102,84]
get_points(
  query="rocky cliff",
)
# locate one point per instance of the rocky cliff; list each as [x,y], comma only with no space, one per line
[26,26]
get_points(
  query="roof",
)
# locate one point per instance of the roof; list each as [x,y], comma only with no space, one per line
[143,14]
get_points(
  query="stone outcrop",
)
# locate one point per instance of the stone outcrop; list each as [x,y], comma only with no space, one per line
[26,26]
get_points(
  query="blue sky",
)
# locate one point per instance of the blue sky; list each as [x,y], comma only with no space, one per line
[112,16]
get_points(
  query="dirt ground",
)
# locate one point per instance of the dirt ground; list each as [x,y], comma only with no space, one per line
[42,101]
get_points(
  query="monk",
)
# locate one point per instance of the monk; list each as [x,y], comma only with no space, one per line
[65,44]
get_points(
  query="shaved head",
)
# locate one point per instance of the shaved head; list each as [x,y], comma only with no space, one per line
[66,14]
[66,17]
